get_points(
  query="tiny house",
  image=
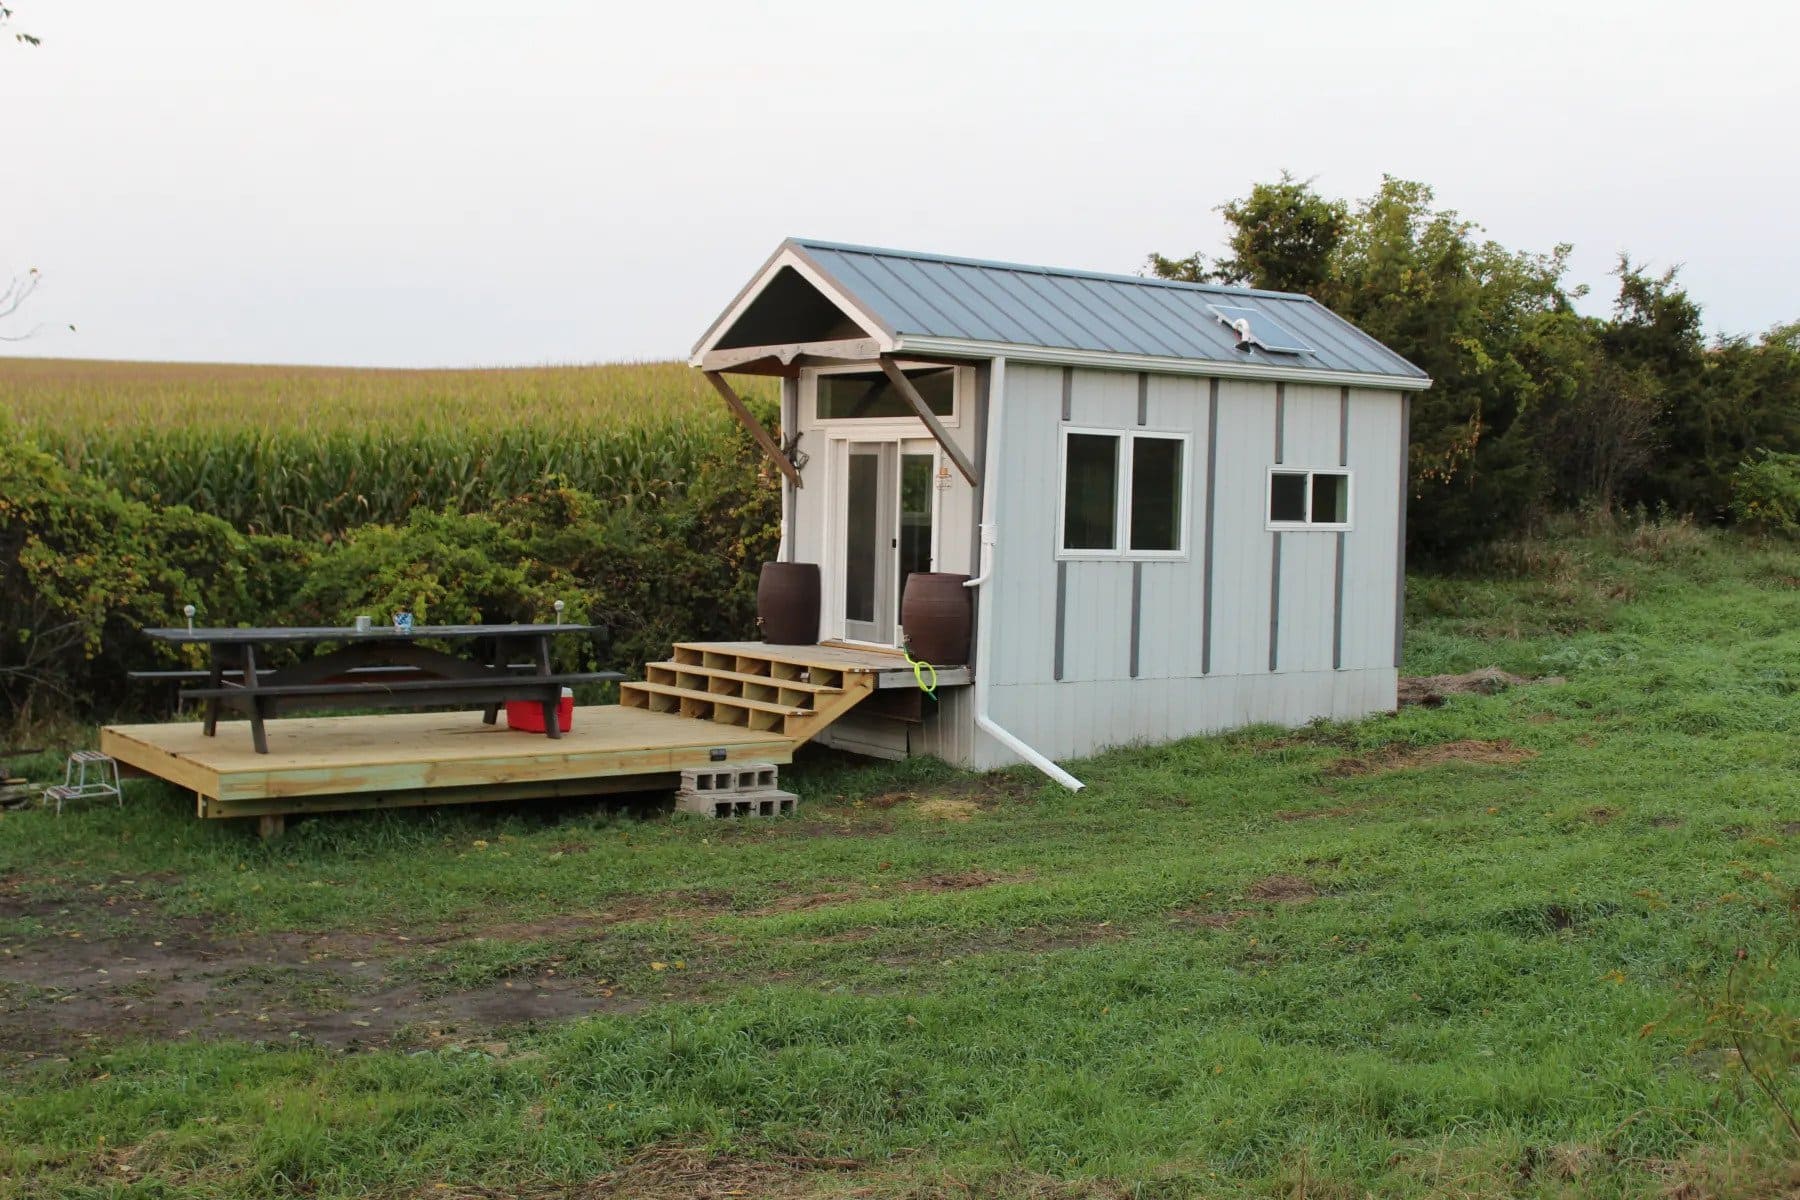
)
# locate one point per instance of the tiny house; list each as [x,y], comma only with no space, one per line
[1181,507]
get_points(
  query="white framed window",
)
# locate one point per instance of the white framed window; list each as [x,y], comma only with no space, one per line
[1300,498]
[1124,494]
[861,396]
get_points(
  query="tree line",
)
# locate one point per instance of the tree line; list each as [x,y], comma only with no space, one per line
[1534,408]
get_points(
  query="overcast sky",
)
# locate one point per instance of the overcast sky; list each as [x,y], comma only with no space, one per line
[423,184]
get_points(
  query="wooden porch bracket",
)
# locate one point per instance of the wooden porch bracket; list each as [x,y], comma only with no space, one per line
[849,349]
[748,420]
[904,386]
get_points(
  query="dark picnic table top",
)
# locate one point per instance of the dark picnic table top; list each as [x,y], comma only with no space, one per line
[219,635]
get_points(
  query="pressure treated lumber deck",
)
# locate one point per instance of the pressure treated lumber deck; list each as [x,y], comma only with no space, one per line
[712,702]
[318,764]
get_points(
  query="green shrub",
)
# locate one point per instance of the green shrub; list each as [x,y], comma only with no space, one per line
[82,569]
[1765,492]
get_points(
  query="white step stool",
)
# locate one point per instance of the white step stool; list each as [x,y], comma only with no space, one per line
[77,783]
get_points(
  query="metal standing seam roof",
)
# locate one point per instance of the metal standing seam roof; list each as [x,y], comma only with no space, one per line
[936,296]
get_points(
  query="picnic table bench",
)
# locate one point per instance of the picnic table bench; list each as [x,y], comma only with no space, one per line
[379,667]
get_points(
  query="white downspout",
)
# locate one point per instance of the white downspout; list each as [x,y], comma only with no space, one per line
[984,609]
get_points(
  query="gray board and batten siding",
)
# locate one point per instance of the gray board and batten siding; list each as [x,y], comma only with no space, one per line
[1248,623]
[1203,622]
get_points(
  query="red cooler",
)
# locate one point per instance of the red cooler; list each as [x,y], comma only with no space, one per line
[528,715]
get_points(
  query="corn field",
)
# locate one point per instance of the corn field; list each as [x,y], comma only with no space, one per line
[312,452]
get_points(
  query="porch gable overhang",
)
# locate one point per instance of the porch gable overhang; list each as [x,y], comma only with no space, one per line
[748,338]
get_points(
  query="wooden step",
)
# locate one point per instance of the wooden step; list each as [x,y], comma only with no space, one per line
[681,693]
[759,659]
[792,685]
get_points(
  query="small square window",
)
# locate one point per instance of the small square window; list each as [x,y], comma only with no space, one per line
[1330,498]
[1301,499]
[1287,496]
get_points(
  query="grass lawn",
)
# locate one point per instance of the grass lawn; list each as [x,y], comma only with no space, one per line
[1464,950]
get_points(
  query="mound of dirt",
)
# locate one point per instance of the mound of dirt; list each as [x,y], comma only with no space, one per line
[1401,757]
[1430,690]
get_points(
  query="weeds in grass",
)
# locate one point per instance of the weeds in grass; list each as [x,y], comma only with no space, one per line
[1750,1013]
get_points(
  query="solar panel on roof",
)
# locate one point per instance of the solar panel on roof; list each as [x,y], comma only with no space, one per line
[1258,329]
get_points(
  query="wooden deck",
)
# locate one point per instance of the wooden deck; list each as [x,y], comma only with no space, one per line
[713,702]
[321,764]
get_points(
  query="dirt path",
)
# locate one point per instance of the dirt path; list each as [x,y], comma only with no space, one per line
[160,977]
[61,992]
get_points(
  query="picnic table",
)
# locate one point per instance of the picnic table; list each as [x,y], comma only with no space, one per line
[378,667]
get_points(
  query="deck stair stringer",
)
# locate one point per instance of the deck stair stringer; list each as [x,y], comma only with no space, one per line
[794,691]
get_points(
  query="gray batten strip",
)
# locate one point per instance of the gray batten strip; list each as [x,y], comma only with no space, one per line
[1206,570]
[1137,612]
[790,421]
[1068,396]
[1062,609]
[1337,609]
[1343,427]
[1143,397]
[1280,421]
[1274,599]
[1400,538]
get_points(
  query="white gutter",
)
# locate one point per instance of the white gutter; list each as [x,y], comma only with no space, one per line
[1106,359]
[984,609]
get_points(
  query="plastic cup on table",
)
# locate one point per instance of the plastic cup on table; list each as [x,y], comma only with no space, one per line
[403,622]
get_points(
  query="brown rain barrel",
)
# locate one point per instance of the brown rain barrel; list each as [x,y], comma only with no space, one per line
[787,603]
[934,611]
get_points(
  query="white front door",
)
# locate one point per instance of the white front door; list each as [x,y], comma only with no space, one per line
[886,498]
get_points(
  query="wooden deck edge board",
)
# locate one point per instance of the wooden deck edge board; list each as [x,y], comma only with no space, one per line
[148,759]
[597,764]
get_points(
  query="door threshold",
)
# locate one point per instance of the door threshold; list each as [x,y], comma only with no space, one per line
[876,647]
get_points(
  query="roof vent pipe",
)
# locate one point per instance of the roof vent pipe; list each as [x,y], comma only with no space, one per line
[984,608]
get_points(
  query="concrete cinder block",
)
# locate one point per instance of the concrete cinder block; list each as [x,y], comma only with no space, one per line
[737,777]
[763,802]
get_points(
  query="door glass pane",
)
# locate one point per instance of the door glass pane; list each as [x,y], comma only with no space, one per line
[1287,496]
[868,396]
[1155,493]
[1331,499]
[861,504]
[916,482]
[1091,492]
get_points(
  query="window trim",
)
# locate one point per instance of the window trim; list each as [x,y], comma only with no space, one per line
[1122,551]
[958,389]
[1309,525]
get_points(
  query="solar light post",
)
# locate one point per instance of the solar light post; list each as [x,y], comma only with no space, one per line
[188,611]
[558,606]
